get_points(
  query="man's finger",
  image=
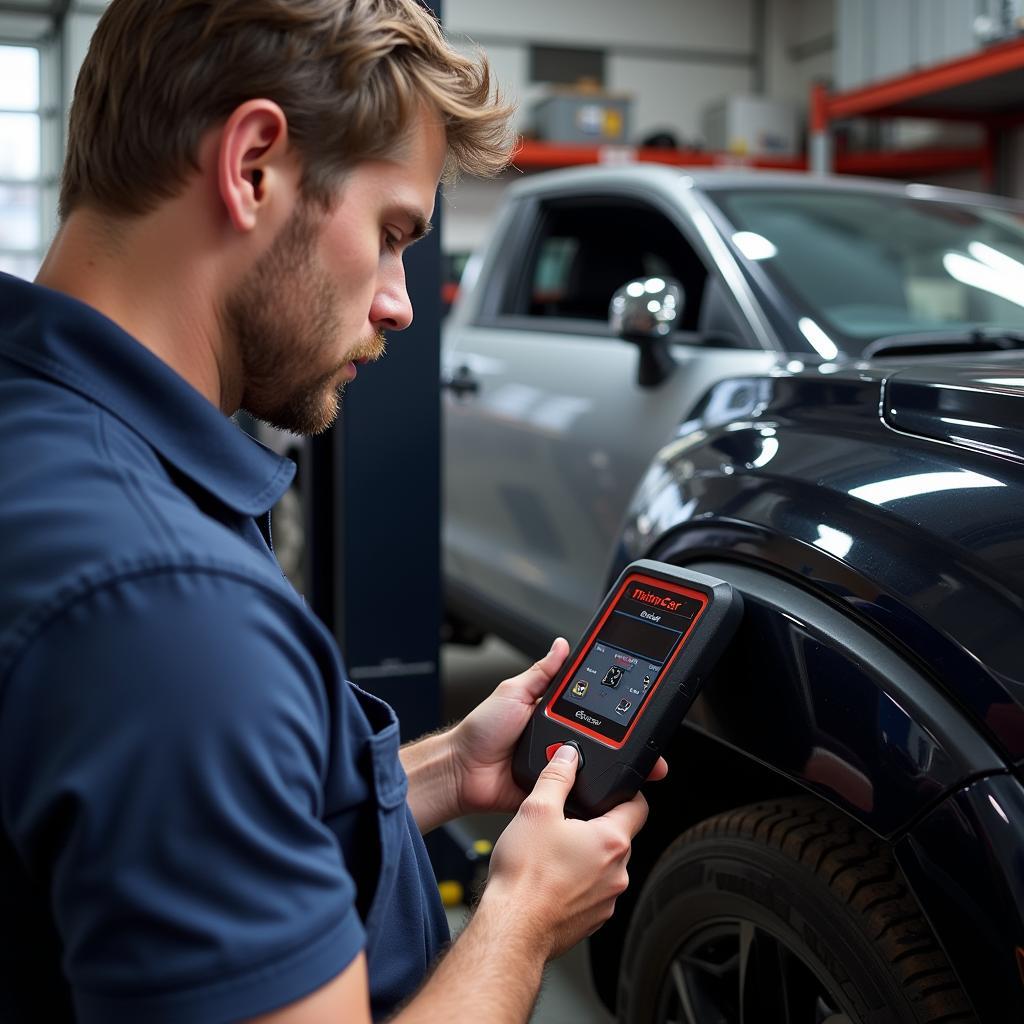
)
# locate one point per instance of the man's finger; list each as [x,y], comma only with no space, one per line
[555,781]
[659,771]
[534,681]
[630,815]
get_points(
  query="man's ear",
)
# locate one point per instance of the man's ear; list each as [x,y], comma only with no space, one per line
[252,161]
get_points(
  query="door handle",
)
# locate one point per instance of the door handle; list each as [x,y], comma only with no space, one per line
[461,382]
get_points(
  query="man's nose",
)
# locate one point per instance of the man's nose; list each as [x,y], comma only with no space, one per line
[391,309]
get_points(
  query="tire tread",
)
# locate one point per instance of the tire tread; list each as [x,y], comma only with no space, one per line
[860,870]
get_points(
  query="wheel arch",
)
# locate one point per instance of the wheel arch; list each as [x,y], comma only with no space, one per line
[807,700]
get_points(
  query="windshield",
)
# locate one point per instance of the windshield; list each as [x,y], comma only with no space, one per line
[861,265]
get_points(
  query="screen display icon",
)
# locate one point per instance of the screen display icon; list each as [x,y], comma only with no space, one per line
[612,677]
[615,675]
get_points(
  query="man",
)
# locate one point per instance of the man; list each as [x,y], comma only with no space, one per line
[200,820]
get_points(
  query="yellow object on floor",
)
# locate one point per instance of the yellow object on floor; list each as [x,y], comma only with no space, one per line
[452,893]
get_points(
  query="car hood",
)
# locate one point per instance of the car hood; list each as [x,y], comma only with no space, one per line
[977,406]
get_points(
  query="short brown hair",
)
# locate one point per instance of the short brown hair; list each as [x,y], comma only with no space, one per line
[350,76]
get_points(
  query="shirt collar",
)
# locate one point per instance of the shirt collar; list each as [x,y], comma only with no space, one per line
[72,343]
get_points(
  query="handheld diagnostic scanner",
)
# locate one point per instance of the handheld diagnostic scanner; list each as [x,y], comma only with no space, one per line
[625,688]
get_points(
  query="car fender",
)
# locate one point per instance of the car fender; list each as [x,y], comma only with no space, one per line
[810,693]
[858,672]
[918,542]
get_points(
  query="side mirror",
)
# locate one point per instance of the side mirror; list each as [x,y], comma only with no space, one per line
[645,311]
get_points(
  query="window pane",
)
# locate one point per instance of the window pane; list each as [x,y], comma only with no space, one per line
[19,217]
[19,146]
[21,266]
[866,265]
[19,78]
[590,248]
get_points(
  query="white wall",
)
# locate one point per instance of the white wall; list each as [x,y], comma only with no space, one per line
[800,41]
[673,57]
[723,25]
[670,94]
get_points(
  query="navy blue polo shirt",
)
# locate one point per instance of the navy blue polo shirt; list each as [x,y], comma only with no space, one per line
[200,819]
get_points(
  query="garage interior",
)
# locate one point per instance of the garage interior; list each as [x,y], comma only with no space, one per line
[927,92]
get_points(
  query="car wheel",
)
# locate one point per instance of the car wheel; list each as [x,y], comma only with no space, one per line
[783,913]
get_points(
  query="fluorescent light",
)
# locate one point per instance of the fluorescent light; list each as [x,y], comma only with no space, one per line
[968,423]
[995,806]
[823,344]
[984,277]
[754,246]
[835,542]
[769,449]
[996,260]
[884,491]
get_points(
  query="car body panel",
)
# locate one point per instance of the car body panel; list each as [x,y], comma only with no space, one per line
[964,863]
[809,691]
[811,485]
[981,408]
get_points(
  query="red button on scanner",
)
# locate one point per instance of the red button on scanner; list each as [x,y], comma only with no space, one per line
[549,751]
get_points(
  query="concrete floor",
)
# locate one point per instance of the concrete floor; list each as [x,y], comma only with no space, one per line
[468,675]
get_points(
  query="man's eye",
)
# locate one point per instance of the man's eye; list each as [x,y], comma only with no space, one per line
[391,242]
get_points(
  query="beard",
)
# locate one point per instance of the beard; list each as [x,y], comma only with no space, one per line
[281,319]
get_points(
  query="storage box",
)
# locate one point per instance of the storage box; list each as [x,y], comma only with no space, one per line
[752,126]
[583,117]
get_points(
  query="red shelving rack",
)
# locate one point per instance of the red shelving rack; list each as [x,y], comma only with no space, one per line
[536,156]
[986,87]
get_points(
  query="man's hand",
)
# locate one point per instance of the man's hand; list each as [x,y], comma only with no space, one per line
[483,742]
[468,768]
[560,876]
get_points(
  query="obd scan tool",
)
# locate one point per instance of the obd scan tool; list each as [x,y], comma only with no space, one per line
[627,685]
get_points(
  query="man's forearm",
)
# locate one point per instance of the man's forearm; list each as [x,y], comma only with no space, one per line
[433,780]
[492,973]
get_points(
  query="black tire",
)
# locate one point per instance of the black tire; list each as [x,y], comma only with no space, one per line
[794,906]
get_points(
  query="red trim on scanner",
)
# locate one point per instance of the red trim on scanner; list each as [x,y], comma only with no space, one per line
[650,581]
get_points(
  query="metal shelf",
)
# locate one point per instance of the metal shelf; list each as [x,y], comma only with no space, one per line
[538,156]
[978,87]
[535,156]
[984,87]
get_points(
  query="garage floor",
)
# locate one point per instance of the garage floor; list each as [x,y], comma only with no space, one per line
[468,675]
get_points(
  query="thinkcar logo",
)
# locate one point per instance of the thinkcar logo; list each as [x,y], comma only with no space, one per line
[639,594]
[589,719]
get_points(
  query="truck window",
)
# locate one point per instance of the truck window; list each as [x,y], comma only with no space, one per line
[588,248]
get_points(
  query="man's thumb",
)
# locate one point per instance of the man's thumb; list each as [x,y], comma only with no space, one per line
[555,781]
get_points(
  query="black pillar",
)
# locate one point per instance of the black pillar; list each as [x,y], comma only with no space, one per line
[373,499]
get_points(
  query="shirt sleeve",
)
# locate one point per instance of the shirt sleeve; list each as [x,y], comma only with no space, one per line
[164,781]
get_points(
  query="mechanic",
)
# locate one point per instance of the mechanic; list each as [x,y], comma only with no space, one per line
[200,819]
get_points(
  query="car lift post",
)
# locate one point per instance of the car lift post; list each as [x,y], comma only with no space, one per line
[372,495]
